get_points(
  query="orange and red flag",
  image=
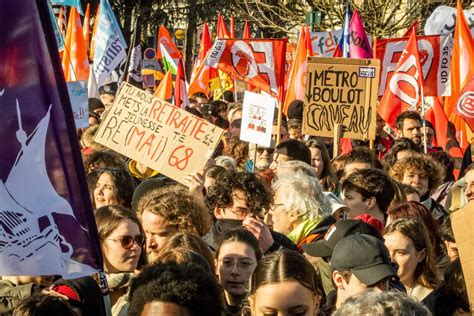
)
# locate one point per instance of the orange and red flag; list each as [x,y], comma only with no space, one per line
[405,89]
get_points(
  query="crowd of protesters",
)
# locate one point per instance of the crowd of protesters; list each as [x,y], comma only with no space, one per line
[279,230]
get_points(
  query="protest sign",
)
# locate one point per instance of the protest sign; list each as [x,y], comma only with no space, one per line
[462,222]
[257,118]
[157,134]
[435,59]
[341,91]
[79,102]
[47,225]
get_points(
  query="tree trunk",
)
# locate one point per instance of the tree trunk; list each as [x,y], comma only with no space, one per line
[190,31]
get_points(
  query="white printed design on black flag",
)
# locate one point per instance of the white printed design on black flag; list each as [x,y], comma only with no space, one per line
[30,241]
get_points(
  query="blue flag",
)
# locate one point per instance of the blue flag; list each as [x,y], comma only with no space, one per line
[70,3]
[47,225]
[57,32]
[345,41]
[110,45]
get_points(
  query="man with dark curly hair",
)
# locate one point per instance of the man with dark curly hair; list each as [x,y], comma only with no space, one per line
[166,211]
[175,289]
[240,199]
[425,174]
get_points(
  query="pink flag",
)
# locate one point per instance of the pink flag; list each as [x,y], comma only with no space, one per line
[360,46]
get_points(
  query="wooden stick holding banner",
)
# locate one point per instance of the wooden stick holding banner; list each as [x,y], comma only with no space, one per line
[338,130]
[423,115]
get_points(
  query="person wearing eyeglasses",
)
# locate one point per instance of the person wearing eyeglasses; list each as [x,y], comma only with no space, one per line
[121,240]
[236,257]
[241,199]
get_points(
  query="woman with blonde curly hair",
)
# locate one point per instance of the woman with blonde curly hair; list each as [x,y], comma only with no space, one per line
[423,173]
[409,244]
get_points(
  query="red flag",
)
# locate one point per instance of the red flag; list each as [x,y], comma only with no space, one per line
[260,62]
[246,32]
[165,39]
[465,105]
[203,49]
[180,94]
[222,30]
[412,28]
[297,75]
[232,27]
[404,91]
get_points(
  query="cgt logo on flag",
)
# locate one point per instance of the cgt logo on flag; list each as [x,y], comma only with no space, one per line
[258,62]
[466,104]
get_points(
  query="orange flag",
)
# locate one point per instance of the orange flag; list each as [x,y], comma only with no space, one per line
[297,74]
[201,73]
[462,69]
[164,91]
[86,26]
[165,39]
[75,63]
[222,30]
[246,32]
[94,31]
[405,89]
[462,60]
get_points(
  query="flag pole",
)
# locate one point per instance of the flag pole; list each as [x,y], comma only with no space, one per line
[132,43]
[425,144]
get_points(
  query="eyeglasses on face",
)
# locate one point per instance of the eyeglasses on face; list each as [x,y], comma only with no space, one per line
[242,264]
[127,241]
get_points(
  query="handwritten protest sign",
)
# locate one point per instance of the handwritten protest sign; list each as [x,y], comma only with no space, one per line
[79,101]
[341,91]
[157,134]
[462,222]
[257,118]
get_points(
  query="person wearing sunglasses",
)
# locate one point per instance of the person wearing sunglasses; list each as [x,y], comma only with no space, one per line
[121,240]
[263,158]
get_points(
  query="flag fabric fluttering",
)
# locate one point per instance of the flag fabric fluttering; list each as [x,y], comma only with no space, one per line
[297,74]
[246,32]
[180,94]
[74,60]
[260,62]
[57,31]
[462,69]
[110,46]
[165,40]
[201,72]
[48,225]
[343,48]
[164,91]
[86,26]
[222,30]
[94,32]
[465,105]
[232,27]
[359,42]
[405,88]
[412,28]
[70,3]
[135,66]
[168,61]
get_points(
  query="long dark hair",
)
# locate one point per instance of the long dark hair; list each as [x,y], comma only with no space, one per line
[328,178]
[124,185]
[243,236]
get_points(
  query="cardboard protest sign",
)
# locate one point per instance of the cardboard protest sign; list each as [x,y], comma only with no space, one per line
[462,222]
[435,59]
[79,101]
[341,91]
[157,134]
[257,118]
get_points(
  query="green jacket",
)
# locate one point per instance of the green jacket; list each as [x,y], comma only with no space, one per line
[11,294]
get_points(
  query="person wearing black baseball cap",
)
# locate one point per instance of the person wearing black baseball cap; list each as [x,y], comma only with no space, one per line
[323,248]
[360,262]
